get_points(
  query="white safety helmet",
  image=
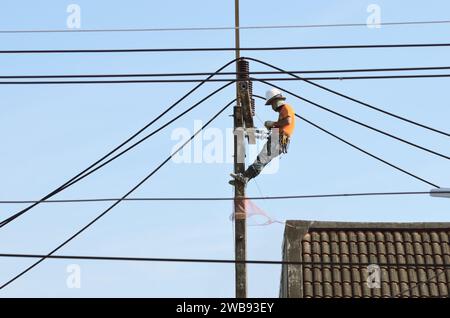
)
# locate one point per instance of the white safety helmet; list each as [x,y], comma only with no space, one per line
[273,93]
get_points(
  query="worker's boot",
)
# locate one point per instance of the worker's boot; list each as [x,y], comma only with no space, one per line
[239,177]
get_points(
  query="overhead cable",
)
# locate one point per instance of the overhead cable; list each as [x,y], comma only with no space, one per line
[225,49]
[93,165]
[433,152]
[363,150]
[282,197]
[134,188]
[148,81]
[186,74]
[355,100]
[225,28]
[226,261]
[369,154]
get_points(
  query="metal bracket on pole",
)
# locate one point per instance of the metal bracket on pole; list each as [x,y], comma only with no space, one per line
[440,193]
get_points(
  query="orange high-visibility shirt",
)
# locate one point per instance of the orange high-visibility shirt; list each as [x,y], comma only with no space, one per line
[287,111]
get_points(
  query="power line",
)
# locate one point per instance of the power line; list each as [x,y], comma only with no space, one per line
[214,198]
[329,78]
[218,28]
[368,153]
[141,182]
[6,221]
[361,123]
[97,167]
[223,261]
[218,49]
[342,78]
[150,135]
[262,197]
[94,220]
[80,174]
[356,100]
[358,70]
[362,150]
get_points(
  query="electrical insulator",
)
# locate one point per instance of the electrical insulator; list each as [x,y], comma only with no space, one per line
[243,74]
[253,107]
[245,94]
[243,69]
[250,91]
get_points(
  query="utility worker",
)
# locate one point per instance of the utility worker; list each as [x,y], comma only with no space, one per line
[278,141]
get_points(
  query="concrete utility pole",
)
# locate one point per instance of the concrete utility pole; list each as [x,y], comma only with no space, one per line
[239,189]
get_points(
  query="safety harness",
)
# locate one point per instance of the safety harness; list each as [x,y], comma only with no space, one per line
[284,143]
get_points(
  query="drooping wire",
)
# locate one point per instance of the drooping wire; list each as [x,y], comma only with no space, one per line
[358,122]
[371,155]
[140,183]
[354,99]
[152,133]
[97,167]
[80,174]
[361,149]
[368,153]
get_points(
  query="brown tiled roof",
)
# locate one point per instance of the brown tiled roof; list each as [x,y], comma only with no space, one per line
[417,257]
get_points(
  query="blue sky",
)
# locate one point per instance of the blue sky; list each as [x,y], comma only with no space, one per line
[50,133]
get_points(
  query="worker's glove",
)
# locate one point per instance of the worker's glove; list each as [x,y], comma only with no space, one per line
[269,124]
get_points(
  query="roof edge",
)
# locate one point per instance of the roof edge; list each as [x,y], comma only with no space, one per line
[368,225]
